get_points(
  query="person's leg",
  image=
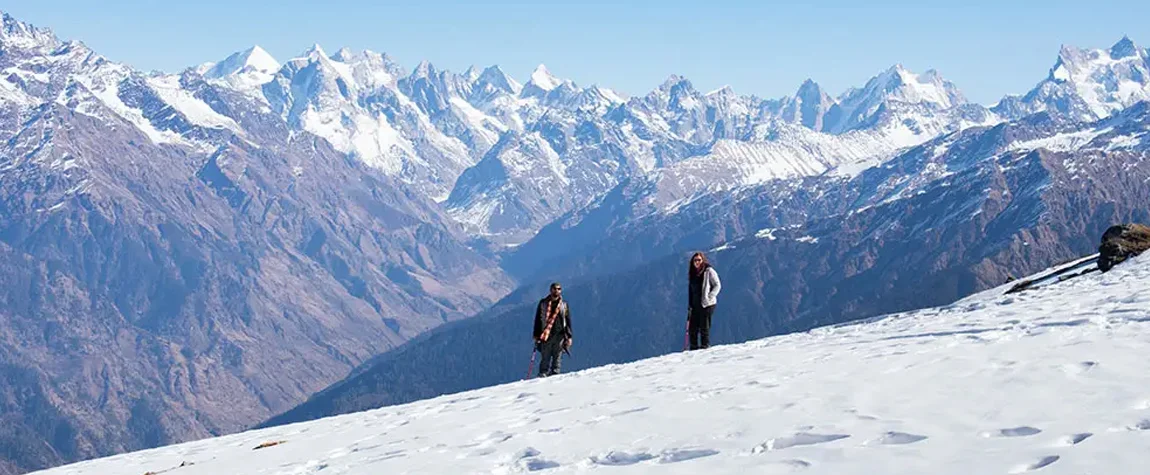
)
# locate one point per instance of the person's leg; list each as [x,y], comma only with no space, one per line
[693,327]
[705,327]
[551,352]
[544,360]
[557,357]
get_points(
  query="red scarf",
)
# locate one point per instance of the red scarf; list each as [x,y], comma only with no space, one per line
[552,312]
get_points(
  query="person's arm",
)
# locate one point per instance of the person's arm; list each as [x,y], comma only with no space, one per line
[568,335]
[538,325]
[688,293]
[716,284]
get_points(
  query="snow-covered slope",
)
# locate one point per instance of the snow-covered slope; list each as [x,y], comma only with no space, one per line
[1051,379]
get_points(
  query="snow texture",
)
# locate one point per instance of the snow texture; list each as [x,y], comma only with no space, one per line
[1052,379]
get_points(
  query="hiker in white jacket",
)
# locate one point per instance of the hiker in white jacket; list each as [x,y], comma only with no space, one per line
[703,292]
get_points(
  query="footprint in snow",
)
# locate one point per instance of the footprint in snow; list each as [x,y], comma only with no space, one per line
[1023,431]
[486,443]
[630,411]
[863,417]
[1037,465]
[683,455]
[792,465]
[798,439]
[897,438]
[527,460]
[387,456]
[1073,439]
[1143,424]
[621,458]
[527,452]
[522,422]
[1075,369]
[535,465]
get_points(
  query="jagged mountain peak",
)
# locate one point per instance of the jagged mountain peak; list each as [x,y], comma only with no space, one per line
[542,78]
[254,59]
[900,84]
[494,79]
[810,92]
[1125,48]
[808,107]
[424,70]
[313,53]
[344,54]
[370,69]
[1088,84]
[472,73]
[315,56]
[16,33]
[673,81]
[809,86]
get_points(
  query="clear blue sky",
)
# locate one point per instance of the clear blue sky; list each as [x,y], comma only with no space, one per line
[767,48]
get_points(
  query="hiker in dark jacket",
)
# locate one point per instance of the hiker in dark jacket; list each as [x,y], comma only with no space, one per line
[552,330]
[703,294]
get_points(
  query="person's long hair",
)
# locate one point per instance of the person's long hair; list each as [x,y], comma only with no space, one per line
[691,270]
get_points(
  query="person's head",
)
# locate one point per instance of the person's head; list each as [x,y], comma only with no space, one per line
[698,263]
[556,290]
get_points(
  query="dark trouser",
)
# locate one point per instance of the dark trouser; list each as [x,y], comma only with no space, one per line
[551,351]
[699,327]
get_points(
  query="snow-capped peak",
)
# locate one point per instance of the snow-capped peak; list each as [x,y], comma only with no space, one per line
[896,88]
[673,81]
[315,52]
[495,79]
[898,83]
[472,74]
[424,70]
[344,54]
[370,69]
[811,92]
[1088,84]
[23,35]
[254,59]
[810,104]
[262,60]
[1125,48]
[543,78]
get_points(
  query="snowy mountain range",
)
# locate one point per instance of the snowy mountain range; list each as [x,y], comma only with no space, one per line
[958,214]
[1047,381]
[188,254]
[506,159]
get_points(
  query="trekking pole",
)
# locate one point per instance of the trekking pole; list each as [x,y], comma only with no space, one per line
[531,366]
[687,331]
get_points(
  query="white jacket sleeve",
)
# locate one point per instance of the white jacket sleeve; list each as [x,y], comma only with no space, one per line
[716,284]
